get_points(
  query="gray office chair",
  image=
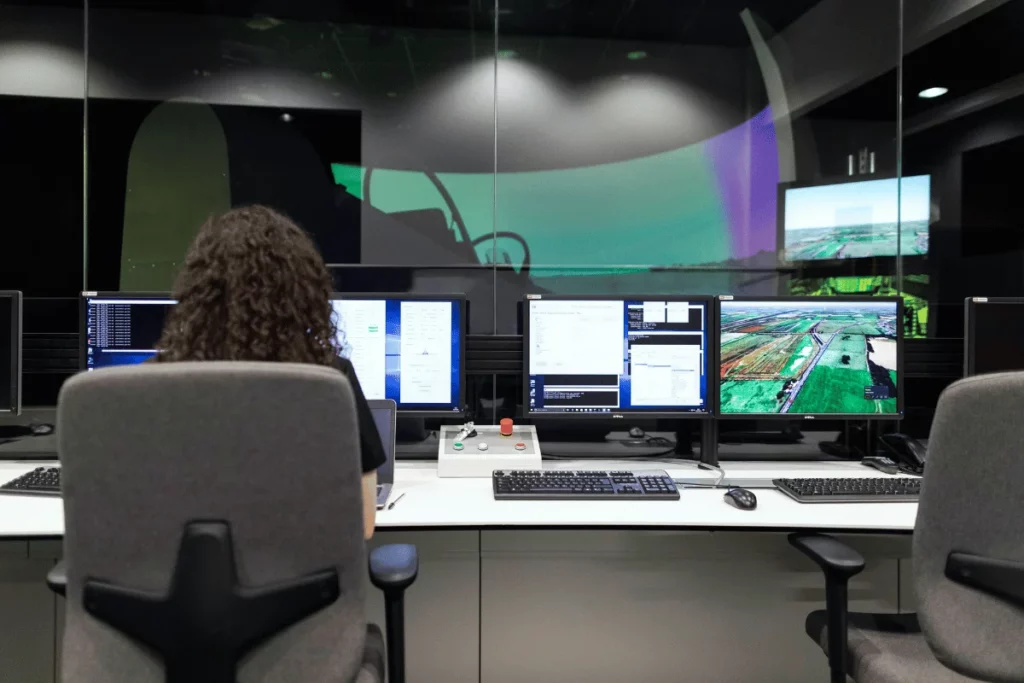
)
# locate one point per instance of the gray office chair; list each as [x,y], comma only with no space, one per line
[214,529]
[968,556]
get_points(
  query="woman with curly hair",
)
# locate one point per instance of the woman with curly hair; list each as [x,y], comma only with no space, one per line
[254,288]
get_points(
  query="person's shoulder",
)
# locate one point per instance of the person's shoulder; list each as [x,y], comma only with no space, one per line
[343,365]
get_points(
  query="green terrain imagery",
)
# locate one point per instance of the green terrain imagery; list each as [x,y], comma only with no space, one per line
[857,241]
[914,294]
[808,358]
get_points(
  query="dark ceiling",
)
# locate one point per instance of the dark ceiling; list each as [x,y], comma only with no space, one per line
[981,54]
[693,22]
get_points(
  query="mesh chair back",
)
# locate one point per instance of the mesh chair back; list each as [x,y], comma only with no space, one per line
[272,449]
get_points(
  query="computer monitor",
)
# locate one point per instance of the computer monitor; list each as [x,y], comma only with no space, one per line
[409,348]
[616,356]
[993,335]
[119,328]
[856,218]
[10,352]
[810,357]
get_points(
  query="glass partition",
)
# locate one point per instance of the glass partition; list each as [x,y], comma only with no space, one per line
[372,125]
[963,126]
[498,148]
[699,148]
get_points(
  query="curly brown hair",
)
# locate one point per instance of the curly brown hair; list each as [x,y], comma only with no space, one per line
[253,287]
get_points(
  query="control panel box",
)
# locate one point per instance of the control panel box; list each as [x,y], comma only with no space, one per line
[477,451]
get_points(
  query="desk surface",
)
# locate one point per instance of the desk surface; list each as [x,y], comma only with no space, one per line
[434,503]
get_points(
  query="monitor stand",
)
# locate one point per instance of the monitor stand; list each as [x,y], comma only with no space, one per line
[788,434]
[409,430]
[854,442]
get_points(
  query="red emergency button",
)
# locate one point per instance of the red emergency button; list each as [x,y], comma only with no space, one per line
[505,428]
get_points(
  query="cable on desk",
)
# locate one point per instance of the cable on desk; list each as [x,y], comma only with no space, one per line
[681,483]
[615,456]
[668,444]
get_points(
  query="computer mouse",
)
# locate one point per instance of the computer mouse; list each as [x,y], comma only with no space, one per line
[41,429]
[636,433]
[741,499]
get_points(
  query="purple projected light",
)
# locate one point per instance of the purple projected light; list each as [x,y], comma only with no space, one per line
[746,164]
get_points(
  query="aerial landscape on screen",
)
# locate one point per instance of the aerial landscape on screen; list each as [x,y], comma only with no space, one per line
[809,357]
[871,218]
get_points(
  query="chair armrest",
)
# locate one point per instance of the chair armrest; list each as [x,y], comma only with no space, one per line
[833,556]
[394,567]
[840,563]
[57,578]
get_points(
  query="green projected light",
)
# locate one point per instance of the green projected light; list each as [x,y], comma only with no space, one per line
[673,217]
[635,223]
[915,301]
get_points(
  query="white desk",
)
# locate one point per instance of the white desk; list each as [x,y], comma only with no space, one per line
[469,503]
[434,503]
[600,591]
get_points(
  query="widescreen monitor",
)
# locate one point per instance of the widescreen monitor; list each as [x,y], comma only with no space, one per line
[617,356]
[409,348]
[993,335]
[810,357]
[10,352]
[119,328]
[859,219]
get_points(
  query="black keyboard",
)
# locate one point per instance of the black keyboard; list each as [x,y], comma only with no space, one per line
[862,490]
[583,485]
[42,481]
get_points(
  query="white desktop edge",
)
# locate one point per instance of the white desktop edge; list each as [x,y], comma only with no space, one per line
[434,503]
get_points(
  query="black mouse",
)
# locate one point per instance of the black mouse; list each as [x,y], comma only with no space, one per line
[741,499]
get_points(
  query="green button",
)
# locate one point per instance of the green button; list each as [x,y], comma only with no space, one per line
[458,445]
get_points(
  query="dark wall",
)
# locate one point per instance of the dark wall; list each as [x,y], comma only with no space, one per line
[41,194]
[979,235]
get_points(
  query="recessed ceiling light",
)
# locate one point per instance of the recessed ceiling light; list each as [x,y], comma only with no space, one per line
[932,93]
[636,55]
[286,117]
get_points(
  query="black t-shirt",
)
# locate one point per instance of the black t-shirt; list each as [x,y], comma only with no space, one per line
[371,450]
[370,447]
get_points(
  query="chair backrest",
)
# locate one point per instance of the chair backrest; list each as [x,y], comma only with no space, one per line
[971,504]
[272,449]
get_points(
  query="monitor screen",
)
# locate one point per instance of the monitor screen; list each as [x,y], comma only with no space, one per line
[121,329]
[994,336]
[604,356]
[859,219]
[812,357]
[406,348]
[10,352]
[384,418]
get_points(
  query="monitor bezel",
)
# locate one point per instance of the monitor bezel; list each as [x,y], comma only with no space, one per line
[83,310]
[460,299]
[970,305]
[900,360]
[913,260]
[16,351]
[710,358]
